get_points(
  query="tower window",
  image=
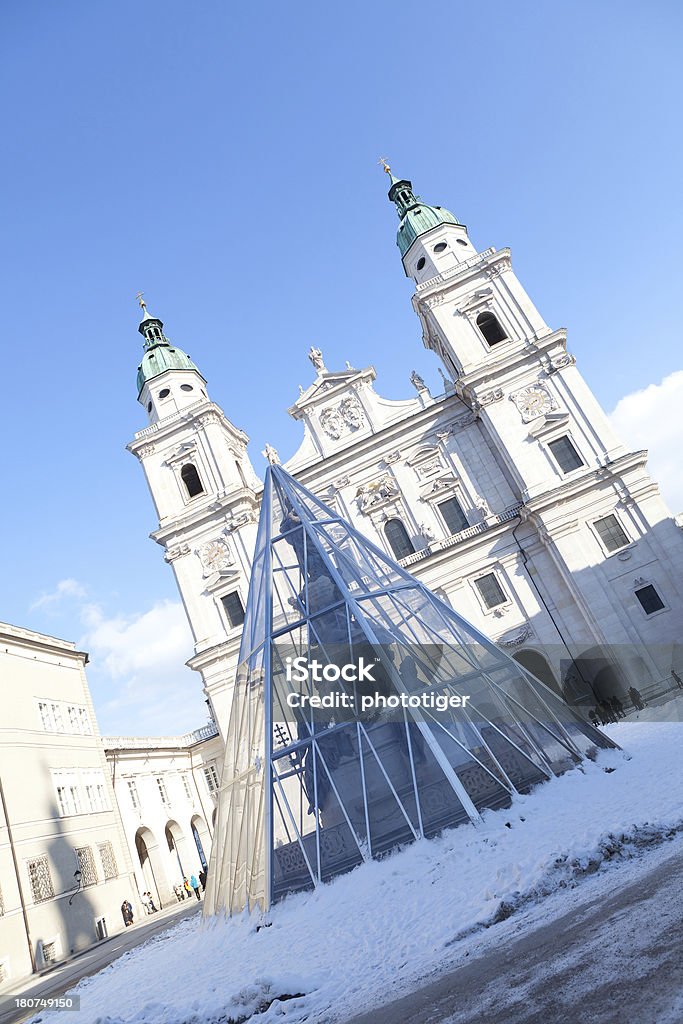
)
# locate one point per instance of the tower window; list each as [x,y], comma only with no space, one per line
[492,594]
[650,600]
[611,533]
[186,387]
[461,241]
[190,478]
[489,326]
[453,515]
[164,393]
[234,609]
[149,407]
[399,541]
[420,263]
[565,454]
[440,246]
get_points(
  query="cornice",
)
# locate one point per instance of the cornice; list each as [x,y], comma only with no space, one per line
[575,488]
[201,414]
[519,354]
[222,505]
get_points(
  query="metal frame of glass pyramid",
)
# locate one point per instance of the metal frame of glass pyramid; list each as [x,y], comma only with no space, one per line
[312,787]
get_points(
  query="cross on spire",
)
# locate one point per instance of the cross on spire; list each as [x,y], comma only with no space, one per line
[141,302]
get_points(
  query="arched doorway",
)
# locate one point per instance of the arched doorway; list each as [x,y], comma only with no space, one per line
[179,862]
[539,667]
[200,834]
[590,677]
[152,865]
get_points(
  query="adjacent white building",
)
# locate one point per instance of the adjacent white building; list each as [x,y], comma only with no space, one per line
[65,866]
[508,493]
[166,789]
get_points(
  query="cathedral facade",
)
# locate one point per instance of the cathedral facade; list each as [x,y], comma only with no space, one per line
[508,494]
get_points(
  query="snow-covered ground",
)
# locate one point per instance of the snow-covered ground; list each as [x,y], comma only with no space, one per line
[377,932]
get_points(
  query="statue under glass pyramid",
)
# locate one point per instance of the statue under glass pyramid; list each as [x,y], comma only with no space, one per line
[366,712]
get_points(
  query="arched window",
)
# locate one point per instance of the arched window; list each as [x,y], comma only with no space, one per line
[399,541]
[490,328]
[190,478]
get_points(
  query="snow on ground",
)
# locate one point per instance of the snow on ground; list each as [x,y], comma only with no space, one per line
[370,935]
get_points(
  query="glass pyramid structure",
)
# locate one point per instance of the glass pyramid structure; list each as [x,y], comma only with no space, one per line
[366,712]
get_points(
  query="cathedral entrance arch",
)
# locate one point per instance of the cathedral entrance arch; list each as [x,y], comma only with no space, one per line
[152,864]
[538,665]
[592,677]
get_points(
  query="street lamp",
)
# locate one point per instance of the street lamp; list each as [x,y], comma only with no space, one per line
[77,887]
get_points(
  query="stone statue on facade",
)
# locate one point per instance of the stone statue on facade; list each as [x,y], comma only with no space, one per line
[316,357]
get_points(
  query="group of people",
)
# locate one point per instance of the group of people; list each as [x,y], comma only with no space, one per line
[190,885]
[610,709]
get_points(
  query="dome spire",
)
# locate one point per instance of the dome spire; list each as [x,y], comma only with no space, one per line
[150,327]
[416,217]
[160,355]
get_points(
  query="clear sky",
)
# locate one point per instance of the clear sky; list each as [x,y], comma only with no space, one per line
[223,159]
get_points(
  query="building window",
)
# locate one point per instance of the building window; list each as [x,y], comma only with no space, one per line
[86,866]
[40,879]
[133,794]
[45,716]
[84,722]
[108,858]
[565,454]
[49,952]
[234,609]
[94,792]
[68,795]
[190,478]
[162,790]
[186,787]
[490,327]
[492,594]
[399,541]
[453,515]
[650,600]
[211,778]
[611,534]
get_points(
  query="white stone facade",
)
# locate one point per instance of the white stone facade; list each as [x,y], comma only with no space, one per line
[58,815]
[518,503]
[166,789]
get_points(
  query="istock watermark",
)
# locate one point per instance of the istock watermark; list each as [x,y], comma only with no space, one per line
[301,670]
[332,686]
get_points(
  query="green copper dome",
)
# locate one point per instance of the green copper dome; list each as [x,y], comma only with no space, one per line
[415,216]
[159,355]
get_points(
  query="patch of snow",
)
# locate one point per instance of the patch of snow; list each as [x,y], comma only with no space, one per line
[372,934]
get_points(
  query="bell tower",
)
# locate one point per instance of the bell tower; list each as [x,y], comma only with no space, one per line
[508,365]
[205,492]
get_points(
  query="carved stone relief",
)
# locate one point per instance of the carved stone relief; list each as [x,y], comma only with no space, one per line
[343,418]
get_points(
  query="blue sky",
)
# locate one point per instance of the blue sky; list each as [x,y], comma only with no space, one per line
[223,159]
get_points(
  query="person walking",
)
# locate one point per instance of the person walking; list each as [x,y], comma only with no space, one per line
[202,879]
[638,701]
[187,887]
[195,885]
[127,913]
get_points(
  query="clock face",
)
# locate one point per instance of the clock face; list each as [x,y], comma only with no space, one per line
[533,402]
[215,555]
